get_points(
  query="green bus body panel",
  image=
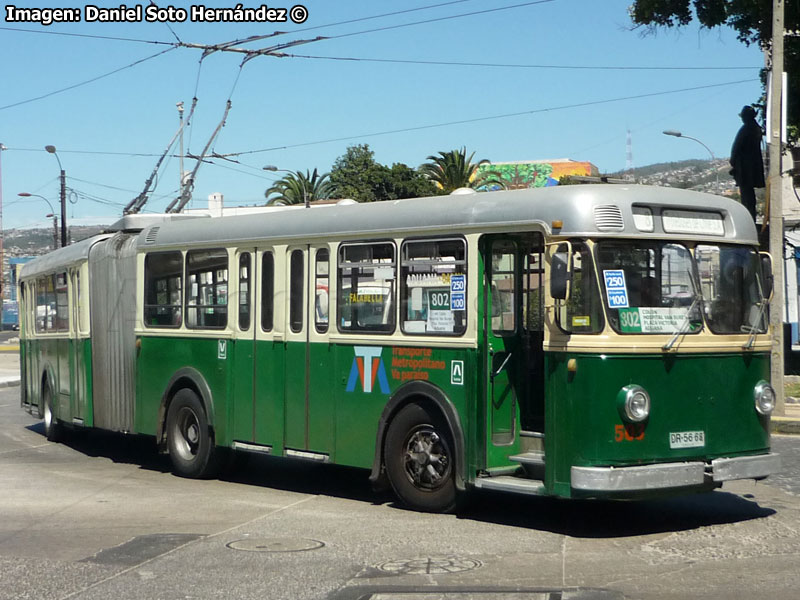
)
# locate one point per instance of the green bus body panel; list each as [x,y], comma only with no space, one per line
[158,361]
[67,363]
[294,383]
[321,399]
[712,393]
[342,418]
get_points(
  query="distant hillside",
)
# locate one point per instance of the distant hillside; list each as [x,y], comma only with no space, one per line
[32,242]
[696,174]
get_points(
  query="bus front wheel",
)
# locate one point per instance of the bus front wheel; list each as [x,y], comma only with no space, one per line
[419,460]
[191,447]
[52,428]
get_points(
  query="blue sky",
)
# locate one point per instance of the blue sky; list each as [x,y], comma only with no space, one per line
[580,59]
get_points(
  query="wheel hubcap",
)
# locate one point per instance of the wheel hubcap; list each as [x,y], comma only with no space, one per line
[187,434]
[427,458]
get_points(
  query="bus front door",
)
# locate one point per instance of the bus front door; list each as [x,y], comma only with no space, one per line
[513,364]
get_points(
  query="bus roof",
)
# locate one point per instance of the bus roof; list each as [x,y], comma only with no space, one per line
[584,210]
[61,258]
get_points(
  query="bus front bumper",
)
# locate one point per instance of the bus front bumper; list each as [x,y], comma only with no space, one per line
[673,475]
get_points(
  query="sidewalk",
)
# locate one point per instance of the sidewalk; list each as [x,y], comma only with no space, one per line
[9,365]
[788,423]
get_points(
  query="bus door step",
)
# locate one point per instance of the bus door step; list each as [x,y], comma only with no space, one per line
[509,483]
[532,462]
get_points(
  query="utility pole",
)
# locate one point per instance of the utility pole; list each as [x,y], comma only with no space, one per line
[52,150]
[2,240]
[775,187]
[180,154]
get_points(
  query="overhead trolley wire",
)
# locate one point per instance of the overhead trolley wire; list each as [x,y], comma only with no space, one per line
[512,65]
[87,35]
[88,81]
[492,117]
[438,19]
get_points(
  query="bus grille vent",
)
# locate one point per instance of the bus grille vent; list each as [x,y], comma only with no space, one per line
[608,217]
[151,235]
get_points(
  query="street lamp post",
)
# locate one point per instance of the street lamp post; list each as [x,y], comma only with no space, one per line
[52,150]
[51,214]
[305,192]
[674,133]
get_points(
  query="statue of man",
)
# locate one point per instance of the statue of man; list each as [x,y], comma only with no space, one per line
[748,166]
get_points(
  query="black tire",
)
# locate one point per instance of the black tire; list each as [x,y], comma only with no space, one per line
[53,429]
[419,455]
[191,446]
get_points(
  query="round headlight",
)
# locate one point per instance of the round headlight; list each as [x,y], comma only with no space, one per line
[635,405]
[765,398]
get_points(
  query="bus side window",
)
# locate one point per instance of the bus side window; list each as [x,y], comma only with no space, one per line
[207,295]
[433,286]
[163,290]
[321,288]
[267,290]
[296,288]
[367,275]
[244,291]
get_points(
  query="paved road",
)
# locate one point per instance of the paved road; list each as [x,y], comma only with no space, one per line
[789,477]
[101,517]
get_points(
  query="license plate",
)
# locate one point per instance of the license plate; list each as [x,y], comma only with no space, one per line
[687,439]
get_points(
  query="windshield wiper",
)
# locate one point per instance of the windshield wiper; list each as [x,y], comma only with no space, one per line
[683,328]
[684,325]
[759,320]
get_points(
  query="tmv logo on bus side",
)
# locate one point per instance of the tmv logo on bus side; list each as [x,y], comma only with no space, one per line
[368,366]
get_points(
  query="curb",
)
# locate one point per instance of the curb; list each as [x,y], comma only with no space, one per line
[785,425]
[9,383]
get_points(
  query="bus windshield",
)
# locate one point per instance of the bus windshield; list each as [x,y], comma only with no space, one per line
[730,279]
[650,287]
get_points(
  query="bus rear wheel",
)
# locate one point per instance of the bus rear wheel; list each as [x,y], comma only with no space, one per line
[419,460]
[191,447]
[52,428]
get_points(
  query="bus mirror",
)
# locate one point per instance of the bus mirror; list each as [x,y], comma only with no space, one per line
[766,275]
[560,274]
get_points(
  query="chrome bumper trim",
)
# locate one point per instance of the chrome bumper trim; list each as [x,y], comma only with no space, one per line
[631,479]
[745,467]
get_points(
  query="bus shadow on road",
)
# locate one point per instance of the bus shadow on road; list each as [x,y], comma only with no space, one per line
[611,519]
[305,477]
[137,450]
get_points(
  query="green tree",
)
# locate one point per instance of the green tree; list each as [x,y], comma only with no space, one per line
[454,169]
[357,175]
[297,187]
[752,21]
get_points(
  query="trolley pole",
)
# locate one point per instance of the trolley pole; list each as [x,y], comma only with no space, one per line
[775,187]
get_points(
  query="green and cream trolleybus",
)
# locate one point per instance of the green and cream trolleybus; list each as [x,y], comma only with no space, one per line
[577,341]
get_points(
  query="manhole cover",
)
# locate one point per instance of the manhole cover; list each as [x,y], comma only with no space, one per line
[430,566]
[275,545]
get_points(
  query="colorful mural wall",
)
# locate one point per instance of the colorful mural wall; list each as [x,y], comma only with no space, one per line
[535,174]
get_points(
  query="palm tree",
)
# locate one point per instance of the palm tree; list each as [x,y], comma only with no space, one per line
[454,169]
[299,188]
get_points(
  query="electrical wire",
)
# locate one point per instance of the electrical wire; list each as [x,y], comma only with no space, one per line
[493,117]
[172,31]
[93,79]
[512,65]
[86,35]
[439,19]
